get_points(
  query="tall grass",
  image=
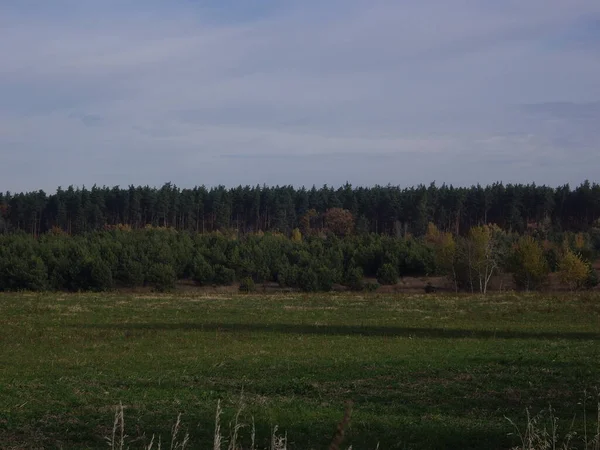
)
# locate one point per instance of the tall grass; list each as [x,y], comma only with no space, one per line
[542,432]
[180,441]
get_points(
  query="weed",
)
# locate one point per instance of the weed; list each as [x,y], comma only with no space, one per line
[542,432]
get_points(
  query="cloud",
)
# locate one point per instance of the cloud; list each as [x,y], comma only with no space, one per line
[297,92]
[566,110]
[89,120]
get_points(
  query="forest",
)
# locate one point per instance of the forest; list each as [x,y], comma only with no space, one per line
[389,210]
[309,240]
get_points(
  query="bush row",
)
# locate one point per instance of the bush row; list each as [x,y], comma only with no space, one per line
[160,257]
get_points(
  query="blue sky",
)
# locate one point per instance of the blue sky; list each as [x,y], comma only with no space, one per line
[121,92]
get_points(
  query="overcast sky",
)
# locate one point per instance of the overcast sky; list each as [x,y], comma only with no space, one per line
[120,92]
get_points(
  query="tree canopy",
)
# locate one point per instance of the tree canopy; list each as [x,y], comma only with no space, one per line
[387,210]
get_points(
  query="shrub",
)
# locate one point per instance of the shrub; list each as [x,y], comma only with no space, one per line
[430,288]
[161,277]
[416,258]
[387,274]
[371,287]
[308,280]
[247,285]
[592,279]
[202,272]
[70,269]
[573,271]
[326,278]
[223,275]
[288,277]
[262,272]
[354,279]
[100,276]
[529,266]
[553,259]
[23,273]
[296,235]
[130,273]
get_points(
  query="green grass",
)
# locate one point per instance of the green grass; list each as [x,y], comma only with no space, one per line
[424,372]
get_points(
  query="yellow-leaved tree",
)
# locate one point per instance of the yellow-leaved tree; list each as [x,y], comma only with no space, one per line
[482,255]
[572,270]
[444,251]
[529,265]
[296,235]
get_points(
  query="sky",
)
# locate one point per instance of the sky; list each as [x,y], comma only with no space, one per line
[300,92]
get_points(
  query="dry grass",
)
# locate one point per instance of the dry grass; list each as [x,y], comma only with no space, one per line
[542,432]
[180,441]
[118,439]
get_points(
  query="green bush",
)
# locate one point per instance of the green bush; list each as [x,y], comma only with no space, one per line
[553,258]
[70,268]
[247,285]
[430,288]
[161,277]
[288,277]
[354,279]
[371,287]
[224,276]
[100,276]
[592,280]
[130,273]
[308,280]
[23,273]
[387,274]
[202,272]
[37,275]
[325,276]
[62,262]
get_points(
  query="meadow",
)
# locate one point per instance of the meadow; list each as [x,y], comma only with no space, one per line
[423,371]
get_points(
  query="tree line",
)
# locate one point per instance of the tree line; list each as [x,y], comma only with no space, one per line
[123,257]
[388,210]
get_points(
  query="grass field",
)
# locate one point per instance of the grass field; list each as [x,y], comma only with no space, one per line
[423,372]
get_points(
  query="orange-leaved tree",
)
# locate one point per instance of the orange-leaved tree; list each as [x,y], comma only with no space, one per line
[339,221]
